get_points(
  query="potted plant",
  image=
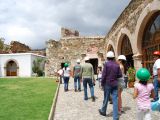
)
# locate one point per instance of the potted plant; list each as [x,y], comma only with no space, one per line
[131,76]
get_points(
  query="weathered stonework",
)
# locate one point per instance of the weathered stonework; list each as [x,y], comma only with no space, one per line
[17,47]
[69,49]
[128,18]
[132,23]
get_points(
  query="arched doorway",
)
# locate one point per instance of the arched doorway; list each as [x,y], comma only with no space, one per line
[94,62]
[11,68]
[126,50]
[151,40]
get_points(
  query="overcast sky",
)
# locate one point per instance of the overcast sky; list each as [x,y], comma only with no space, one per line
[33,22]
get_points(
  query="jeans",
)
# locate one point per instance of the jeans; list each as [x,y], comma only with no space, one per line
[156,87]
[114,92]
[90,83]
[66,80]
[77,80]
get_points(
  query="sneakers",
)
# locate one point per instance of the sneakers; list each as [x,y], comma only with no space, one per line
[101,113]
[85,98]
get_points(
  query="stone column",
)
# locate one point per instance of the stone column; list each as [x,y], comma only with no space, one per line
[137,61]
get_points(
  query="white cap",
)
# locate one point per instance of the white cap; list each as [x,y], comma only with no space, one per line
[100,65]
[78,61]
[158,66]
[86,58]
[121,57]
[110,54]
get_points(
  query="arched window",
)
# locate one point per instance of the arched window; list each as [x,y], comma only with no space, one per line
[151,40]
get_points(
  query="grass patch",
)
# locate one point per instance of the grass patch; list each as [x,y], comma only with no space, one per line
[26,98]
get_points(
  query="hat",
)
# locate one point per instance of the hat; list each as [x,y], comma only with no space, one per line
[66,65]
[143,74]
[110,54]
[156,53]
[86,58]
[122,57]
[78,61]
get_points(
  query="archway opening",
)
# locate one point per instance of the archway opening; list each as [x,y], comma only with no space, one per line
[11,68]
[126,50]
[94,63]
[110,48]
[151,40]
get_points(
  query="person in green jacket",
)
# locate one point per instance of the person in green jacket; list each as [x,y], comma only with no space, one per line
[88,78]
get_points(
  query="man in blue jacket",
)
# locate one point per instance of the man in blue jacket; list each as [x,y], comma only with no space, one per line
[111,72]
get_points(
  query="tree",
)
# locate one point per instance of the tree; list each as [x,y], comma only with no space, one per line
[37,66]
[1,43]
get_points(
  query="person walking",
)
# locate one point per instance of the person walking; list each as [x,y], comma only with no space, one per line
[110,73]
[99,75]
[142,93]
[88,78]
[121,83]
[66,76]
[155,75]
[77,75]
[60,74]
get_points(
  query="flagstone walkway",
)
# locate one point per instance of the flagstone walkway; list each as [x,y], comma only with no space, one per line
[71,106]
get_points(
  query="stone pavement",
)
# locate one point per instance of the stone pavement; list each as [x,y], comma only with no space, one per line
[71,106]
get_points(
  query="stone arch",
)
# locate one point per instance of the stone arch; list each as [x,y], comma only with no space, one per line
[125,46]
[145,16]
[11,67]
[110,46]
[122,33]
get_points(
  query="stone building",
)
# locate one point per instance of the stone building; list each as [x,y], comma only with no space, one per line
[72,47]
[136,33]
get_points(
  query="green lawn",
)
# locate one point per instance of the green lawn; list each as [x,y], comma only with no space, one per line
[26,98]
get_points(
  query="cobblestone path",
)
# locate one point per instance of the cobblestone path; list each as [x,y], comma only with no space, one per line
[71,106]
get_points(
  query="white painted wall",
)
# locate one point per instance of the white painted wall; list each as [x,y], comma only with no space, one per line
[24,62]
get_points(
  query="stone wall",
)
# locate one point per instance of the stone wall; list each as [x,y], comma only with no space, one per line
[127,19]
[69,49]
[17,47]
[69,33]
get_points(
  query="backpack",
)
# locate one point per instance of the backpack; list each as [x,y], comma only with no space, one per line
[77,70]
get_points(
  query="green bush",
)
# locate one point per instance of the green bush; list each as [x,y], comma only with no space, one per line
[37,67]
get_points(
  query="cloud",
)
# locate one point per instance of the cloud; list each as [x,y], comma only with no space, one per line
[35,22]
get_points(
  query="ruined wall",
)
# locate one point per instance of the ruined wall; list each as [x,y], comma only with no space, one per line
[17,47]
[69,49]
[68,32]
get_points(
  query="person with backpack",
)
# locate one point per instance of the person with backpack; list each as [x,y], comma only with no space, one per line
[66,76]
[111,72]
[142,92]
[77,75]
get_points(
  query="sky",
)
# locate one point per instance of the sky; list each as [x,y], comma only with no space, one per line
[33,22]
